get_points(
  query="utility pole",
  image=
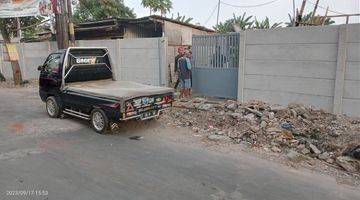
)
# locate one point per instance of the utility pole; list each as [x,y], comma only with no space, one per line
[18,27]
[14,62]
[315,7]
[299,16]
[218,12]
[324,18]
[294,15]
[62,35]
[71,24]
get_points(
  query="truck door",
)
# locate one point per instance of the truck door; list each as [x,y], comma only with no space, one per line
[50,76]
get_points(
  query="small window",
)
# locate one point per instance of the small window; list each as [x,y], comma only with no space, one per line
[52,62]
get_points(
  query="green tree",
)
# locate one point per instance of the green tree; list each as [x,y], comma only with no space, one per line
[182,18]
[162,6]
[234,24]
[8,26]
[317,20]
[265,24]
[8,30]
[85,10]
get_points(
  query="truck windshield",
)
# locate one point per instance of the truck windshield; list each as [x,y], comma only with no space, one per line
[87,64]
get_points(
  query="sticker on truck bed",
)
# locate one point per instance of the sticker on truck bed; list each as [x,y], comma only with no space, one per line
[90,61]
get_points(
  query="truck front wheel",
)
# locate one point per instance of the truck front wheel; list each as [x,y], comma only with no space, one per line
[52,107]
[99,121]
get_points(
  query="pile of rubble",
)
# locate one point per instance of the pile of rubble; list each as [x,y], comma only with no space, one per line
[296,130]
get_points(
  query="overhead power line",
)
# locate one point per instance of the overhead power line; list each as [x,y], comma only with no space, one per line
[211,14]
[323,7]
[249,6]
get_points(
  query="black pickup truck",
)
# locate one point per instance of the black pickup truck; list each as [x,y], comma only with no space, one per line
[79,81]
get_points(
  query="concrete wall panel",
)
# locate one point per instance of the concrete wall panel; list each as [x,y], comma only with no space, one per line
[351,107]
[140,54]
[139,43]
[303,64]
[323,87]
[353,52]
[352,90]
[299,52]
[309,69]
[353,33]
[352,71]
[140,59]
[284,98]
[143,60]
[294,35]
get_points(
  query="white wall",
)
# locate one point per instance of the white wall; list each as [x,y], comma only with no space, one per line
[31,55]
[302,64]
[351,95]
[142,59]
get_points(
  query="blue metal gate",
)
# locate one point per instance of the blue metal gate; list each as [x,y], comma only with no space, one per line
[215,64]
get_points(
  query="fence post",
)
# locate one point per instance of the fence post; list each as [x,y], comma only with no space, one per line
[241,72]
[117,59]
[162,44]
[340,69]
[1,60]
[24,67]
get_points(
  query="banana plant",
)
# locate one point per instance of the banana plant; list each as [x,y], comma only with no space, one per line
[181,18]
[236,23]
[265,24]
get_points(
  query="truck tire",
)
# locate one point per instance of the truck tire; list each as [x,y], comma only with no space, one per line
[99,121]
[52,107]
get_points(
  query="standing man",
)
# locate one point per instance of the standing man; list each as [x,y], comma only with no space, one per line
[184,66]
[176,69]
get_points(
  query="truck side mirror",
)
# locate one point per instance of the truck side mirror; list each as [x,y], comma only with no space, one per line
[40,68]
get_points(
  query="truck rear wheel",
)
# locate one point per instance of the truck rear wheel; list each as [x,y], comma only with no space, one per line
[52,107]
[99,121]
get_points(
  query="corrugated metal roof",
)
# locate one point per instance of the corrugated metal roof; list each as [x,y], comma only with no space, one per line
[152,18]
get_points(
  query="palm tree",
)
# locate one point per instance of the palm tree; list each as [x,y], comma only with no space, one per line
[235,24]
[181,18]
[162,6]
[264,24]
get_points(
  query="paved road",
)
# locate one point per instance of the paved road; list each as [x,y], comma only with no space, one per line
[65,159]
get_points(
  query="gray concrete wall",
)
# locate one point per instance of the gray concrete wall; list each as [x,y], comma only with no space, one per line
[351,91]
[140,59]
[31,55]
[143,60]
[302,64]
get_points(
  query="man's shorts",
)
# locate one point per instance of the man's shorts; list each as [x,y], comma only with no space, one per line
[185,83]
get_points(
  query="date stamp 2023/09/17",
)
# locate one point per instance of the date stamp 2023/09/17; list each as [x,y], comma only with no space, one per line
[27,193]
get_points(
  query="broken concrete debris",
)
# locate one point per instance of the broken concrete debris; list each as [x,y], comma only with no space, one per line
[348,163]
[292,130]
[314,149]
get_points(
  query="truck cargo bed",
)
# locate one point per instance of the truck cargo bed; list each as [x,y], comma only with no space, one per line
[120,90]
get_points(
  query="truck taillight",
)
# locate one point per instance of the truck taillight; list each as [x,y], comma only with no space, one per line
[129,107]
[167,98]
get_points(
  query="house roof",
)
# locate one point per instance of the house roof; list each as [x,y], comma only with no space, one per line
[111,22]
[203,28]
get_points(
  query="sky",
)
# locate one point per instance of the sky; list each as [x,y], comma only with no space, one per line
[204,11]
